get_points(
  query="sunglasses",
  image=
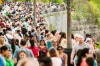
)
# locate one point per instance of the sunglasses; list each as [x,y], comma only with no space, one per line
[60,49]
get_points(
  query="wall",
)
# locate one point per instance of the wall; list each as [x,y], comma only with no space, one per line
[59,19]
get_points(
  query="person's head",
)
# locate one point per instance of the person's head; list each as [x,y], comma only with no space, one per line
[4,50]
[89,41]
[46,61]
[49,35]
[28,62]
[63,35]
[22,54]
[32,42]
[81,39]
[42,42]
[60,49]
[90,61]
[76,37]
[38,28]
[23,42]
[53,52]
[88,35]
[85,52]
[8,54]
[26,37]
[54,43]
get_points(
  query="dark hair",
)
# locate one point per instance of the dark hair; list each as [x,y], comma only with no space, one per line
[72,36]
[37,27]
[13,41]
[53,32]
[88,35]
[46,61]
[32,43]
[90,61]
[43,41]
[63,35]
[52,52]
[22,51]
[17,42]
[3,48]
[23,42]
[81,55]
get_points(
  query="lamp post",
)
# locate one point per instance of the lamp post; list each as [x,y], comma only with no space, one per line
[35,12]
[68,23]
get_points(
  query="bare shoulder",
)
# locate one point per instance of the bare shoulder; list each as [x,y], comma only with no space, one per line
[65,55]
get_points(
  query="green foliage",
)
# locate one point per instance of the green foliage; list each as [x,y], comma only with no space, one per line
[57,1]
[98,46]
[95,9]
[52,27]
[84,9]
[45,1]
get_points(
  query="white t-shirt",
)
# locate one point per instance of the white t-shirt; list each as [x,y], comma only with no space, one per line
[56,61]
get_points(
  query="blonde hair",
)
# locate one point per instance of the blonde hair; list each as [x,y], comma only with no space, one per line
[1,41]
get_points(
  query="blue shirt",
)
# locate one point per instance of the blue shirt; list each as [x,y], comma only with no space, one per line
[2,61]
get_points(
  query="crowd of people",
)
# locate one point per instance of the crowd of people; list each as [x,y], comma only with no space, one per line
[23,44]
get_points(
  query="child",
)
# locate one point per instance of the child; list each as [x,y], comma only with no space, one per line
[22,54]
[9,61]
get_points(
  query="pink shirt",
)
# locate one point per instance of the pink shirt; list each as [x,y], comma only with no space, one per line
[83,63]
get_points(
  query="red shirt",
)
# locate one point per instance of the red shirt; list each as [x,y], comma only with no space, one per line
[35,51]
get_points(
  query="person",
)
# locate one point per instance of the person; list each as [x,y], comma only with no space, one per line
[8,36]
[77,54]
[62,55]
[28,62]
[49,40]
[63,40]
[89,41]
[90,61]
[8,59]
[81,45]
[13,46]
[75,40]
[37,35]
[34,48]
[46,61]
[54,57]
[85,53]
[23,47]
[22,54]
[54,44]
[2,63]
[3,51]
[42,49]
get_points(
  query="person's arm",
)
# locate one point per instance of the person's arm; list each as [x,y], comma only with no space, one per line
[72,55]
[66,60]
[31,54]
[15,56]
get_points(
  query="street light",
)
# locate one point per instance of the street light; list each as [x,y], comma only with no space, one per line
[35,12]
[68,24]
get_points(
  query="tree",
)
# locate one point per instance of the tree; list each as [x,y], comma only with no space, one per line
[57,1]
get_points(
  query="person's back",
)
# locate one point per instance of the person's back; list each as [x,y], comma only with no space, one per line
[83,63]
[56,61]
[23,47]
